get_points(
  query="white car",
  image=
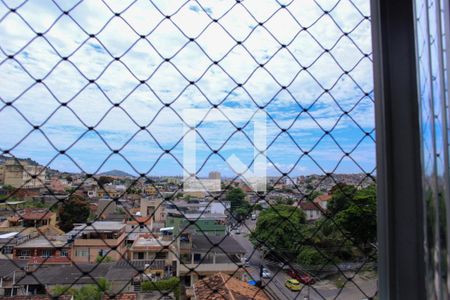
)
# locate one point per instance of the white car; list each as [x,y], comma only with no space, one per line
[266,273]
[245,261]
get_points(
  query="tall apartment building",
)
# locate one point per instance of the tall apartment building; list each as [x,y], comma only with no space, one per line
[214,175]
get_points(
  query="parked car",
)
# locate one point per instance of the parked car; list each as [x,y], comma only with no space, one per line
[266,273]
[245,261]
[301,277]
[253,217]
[293,285]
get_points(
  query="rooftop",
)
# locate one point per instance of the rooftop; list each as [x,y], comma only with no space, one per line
[103,226]
[140,220]
[307,205]
[36,214]
[197,216]
[224,287]
[150,243]
[44,242]
[64,274]
[225,244]
[323,197]
[7,267]
[8,235]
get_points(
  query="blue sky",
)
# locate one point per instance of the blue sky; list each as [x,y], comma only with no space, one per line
[311,66]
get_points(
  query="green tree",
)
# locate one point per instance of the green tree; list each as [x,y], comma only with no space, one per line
[74,210]
[59,290]
[342,195]
[88,292]
[103,259]
[242,212]
[36,204]
[309,255]
[279,227]
[8,188]
[258,207]
[103,285]
[102,180]
[313,195]
[359,219]
[236,196]
[166,285]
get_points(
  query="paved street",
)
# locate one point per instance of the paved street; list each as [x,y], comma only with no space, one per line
[324,289]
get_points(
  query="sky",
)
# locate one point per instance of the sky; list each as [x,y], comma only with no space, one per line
[133,68]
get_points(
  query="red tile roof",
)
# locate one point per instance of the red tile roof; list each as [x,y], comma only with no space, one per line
[323,197]
[36,214]
[306,205]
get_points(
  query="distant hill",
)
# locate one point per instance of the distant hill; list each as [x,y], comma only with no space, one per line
[116,173]
[29,161]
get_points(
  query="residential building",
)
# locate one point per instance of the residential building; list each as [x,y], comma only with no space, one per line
[41,279]
[44,250]
[58,185]
[214,175]
[20,174]
[323,200]
[37,217]
[210,224]
[7,243]
[101,238]
[9,240]
[158,252]
[325,183]
[152,208]
[208,207]
[208,256]
[8,276]
[109,191]
[104,208]
[174,180]
[12,173]
[16,283]
[150,190]
[312,211]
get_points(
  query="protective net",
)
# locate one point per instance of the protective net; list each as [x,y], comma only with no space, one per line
[187,150]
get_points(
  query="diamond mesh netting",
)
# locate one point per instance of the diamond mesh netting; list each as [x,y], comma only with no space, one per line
[90,86]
